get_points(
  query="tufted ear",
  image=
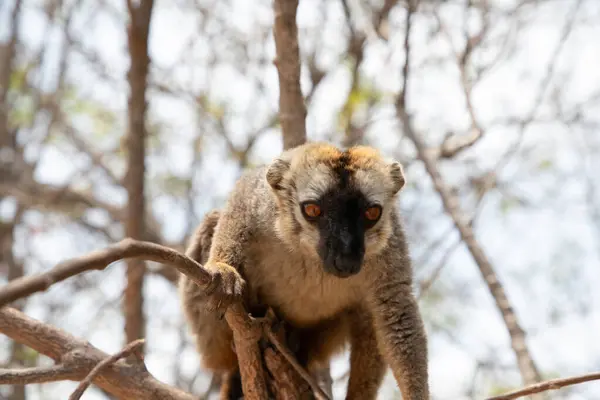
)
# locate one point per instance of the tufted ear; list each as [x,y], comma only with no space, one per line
[275,173]
[397,175]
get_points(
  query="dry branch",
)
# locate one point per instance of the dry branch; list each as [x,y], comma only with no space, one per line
[24,376]
[283,383]
[292,111]
[122,379]
[83,385]
[272,336]
[65,199]
[547,385]
[246,333]
[286,383]
[75,358]
[527,366]
[100,259]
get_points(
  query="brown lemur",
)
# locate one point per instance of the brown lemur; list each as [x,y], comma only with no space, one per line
[316,236]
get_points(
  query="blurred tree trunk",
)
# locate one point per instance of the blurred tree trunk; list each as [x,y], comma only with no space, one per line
[15,271]
[292,111]
[7,152]
[7,51]
[137,39]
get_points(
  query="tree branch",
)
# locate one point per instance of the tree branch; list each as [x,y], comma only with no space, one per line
[24,376]
[54,343]
[137,40]
[547,385]
[122,379]
[246,334]
[292,111]
[527,366]
[100,259]
[246,330]
[132,347]
[287,354]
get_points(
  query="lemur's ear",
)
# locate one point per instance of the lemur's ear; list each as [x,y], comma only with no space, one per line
[397,176]
[275,173]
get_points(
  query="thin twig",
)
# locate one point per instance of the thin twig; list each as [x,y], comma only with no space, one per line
[543,87]
[426,284]
[553,384]
[83,385]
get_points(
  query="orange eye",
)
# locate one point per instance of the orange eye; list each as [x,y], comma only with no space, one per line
[311,210]
[373,213]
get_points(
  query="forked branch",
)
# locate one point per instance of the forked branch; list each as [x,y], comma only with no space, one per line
[83,385]
[527,366]
[76,358]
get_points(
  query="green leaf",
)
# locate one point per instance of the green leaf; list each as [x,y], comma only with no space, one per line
[545,164]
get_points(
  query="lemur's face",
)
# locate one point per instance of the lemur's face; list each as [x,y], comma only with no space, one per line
[336,204]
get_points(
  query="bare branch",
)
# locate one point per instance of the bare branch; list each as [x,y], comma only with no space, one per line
[292,111]
[24,376]
[122,379]
[132,347]
[38,195]
[246,330]
[286,382]
[137,40]
[273,337]
[543,87]
[127,248]
[527,366]
[553,384]
[426,284]
[65,199]
[246,333]
[95,157]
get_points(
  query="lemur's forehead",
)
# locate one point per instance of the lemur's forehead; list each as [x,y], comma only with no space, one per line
[325,169]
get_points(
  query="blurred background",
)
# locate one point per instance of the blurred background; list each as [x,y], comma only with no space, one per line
[516,81]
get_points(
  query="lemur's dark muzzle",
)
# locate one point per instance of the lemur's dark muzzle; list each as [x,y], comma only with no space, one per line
[343,254]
